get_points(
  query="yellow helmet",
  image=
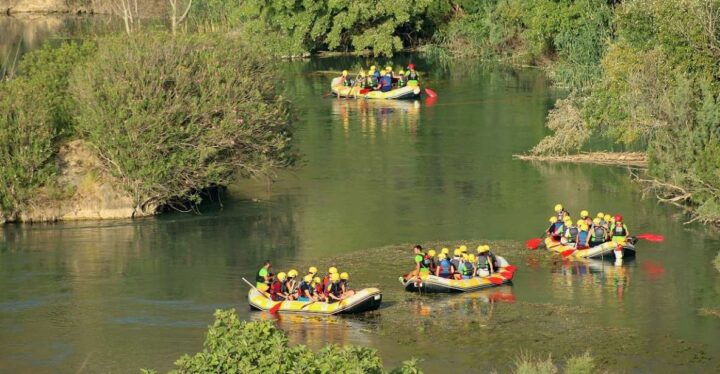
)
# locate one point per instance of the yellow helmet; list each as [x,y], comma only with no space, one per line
[596,221]
[483,249]
[471,257]
[579,222]
[552,219]
[308,278]
[601,215]
[373,68]
[345,73]
[444,251]
[388,68]
[312,270]
[607,218]
[344,275]
[432,253]
[332,270]
[334,277]
[567,220]
[317,280]
[401,72]
[584,226]
[281,276]
[370,72]
[558,208]
[457,252]
[362,73]
[463,248]
[441,256]
[292,273]
[584,214]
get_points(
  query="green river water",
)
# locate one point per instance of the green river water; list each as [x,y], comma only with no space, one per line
[375,178]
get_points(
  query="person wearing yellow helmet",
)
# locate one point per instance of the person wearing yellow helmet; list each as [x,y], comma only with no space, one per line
[326,280]
[292,284]
[560,212]
[262,279]
[487,263]
[345,79]
[556,228]
[312,270]
[306,291]
[598,233]
[277,289]
[455,261]
[319,289]
[345,286]
[432,259]
[466,268]
[386,79]
[583,239]
[571,233]
[585,215]
[401,79]
[444,266]
[334,289]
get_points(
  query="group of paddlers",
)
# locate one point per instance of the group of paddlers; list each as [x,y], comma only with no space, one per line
[461,265]
[330,288]
[381,80]
[586,232]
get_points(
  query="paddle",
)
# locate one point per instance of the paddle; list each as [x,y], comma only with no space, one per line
[651,237]
[533,244]
[495,280]
[508,275]
[511,268]
[276,307]
[567,253]
[430,93]
[306,305]
[255,288]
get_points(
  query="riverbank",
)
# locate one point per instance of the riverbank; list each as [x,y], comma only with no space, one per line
[636,159]
[145,8]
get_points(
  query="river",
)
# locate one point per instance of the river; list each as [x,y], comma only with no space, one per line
[375,178]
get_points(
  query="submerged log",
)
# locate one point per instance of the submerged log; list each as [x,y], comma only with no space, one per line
[638,159]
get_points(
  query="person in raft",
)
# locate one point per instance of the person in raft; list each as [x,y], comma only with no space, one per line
[278,289]
[411,73]
[444,268]
[334,290]
[345,285]
[345,79]
[421,265]
[618,230]
[262,279]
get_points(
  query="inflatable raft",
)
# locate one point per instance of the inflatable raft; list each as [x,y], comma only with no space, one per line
[609,250]
[364,300]
[432,284]
[407,92]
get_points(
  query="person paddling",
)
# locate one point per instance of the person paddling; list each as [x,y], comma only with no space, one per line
[334,291]
[618,230]
[262,279]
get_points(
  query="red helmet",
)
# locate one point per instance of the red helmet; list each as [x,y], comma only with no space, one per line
[411,66]
[618,218]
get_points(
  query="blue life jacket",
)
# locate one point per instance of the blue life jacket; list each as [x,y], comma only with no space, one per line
[445,266]
[386,82]
[582,237]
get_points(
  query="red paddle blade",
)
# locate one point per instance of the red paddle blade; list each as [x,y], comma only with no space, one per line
[495,280]
[364,91]
[533,243]
[506,297]
[651,237]
[507,275]
[276,307]
[430,92]
[567,252]
[511,268]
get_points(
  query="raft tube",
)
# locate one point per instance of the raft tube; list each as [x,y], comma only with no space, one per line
[364,300]
[407,92]
[609,250]
[432,284]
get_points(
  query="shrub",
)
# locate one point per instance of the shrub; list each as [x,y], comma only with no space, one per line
[171,116]
[27,136]
[234,346]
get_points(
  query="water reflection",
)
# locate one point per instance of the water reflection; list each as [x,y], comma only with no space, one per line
[377,115]
[316,331]
[478,305]
[591,278]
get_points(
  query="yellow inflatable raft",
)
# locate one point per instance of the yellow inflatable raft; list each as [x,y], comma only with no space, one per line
[609,250]
[407,92]
[432,284]
[364,300]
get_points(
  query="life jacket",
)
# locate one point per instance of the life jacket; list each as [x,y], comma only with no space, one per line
[619,230]
[421,260]
[583,237]
[427,260]
[259,278]
[413,75]
[558,228]
[598,234]
[276,288]
[386,81]
[320,288]
[482,262]
[401,81]
[346,81]
[572,234]
[466,268]
[455,263]
[376,74]
[335,289]
[445,266]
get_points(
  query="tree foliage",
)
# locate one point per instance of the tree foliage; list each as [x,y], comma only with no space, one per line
[234,346]
[171,116]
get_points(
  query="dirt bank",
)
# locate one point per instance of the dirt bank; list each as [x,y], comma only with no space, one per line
[146,8]
[85,192]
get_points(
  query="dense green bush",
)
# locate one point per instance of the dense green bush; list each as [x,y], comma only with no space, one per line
[35,111]
[234,346]
[171,116]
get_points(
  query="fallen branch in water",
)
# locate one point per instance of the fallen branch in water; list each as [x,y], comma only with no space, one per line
[602,158]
